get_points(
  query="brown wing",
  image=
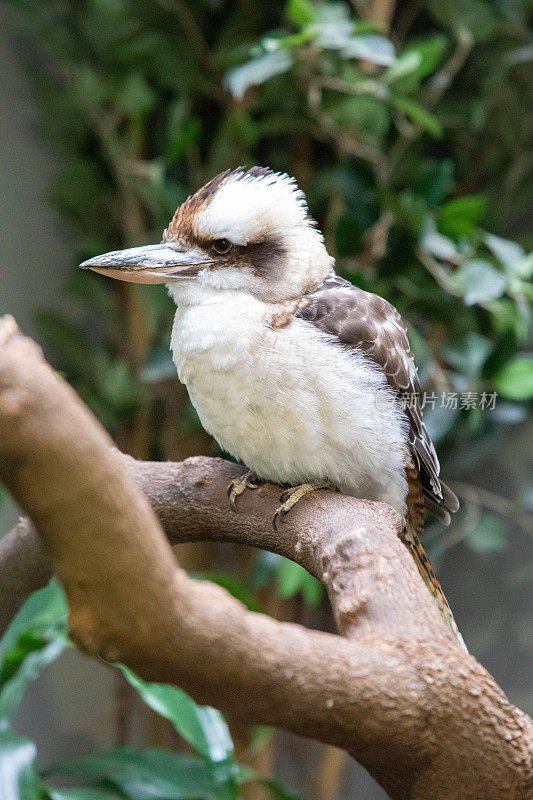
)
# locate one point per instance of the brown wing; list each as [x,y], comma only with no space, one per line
[368,322]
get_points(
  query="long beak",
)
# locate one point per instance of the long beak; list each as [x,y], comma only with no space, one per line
[154,263]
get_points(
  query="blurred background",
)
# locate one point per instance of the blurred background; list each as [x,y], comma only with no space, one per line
[409,126]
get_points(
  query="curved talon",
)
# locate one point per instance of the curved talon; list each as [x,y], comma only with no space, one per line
[293,495]
[239,485]
[278,516]
[232,496]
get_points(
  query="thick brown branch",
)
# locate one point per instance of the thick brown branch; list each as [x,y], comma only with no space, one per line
[24,567]
[426,720]
[345,543]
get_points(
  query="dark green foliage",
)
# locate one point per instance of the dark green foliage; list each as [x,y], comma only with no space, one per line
[148,774]
[37,635]
[34,639]
[18,778]
[294,579]
[202,727]
[146,100]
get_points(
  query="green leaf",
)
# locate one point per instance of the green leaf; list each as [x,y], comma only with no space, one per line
[134,97]
[289,578]
[423,55]
[410,210]
[274,42]
[37,654]
[506,318]
[515,380]
[367,114]
[480,282]
[312,591]
[292,578]
[459,218]
[524,268]
[476,16]
[18,778]
[81,794]
[469,355]
[90,93]
[375,49]
[115,383]
[301,12]
[35,638]
[203,727]
[404,65]
[509,253]
[430,51]
[277,790]
[488,536]
[419,115]
[44,610]
[261,737]
[438,245]
[183,140]
[364,26]
[147,774]
[257,71]
[433,179]
[333,26]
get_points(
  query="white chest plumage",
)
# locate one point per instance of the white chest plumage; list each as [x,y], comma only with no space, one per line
[290,403]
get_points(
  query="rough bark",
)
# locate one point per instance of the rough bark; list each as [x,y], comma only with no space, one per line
[395,690]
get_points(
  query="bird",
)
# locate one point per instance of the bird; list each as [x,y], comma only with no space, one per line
[295,371]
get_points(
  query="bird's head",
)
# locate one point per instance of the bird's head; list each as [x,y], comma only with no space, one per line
[244,230]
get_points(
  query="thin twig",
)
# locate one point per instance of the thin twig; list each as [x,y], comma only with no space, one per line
[441,274]
[497,503]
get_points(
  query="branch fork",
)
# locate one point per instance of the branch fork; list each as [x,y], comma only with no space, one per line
[394,688]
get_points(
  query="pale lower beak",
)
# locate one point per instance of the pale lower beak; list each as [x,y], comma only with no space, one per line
[154,263]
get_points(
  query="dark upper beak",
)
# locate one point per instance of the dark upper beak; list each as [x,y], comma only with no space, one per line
[154,263]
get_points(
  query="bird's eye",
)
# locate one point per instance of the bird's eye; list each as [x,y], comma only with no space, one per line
[222,246]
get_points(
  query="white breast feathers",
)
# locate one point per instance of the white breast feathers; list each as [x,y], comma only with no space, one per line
[292,404]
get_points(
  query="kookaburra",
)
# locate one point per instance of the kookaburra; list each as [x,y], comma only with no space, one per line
[294,371]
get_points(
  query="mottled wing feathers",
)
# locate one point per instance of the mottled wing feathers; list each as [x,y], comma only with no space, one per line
[366,321]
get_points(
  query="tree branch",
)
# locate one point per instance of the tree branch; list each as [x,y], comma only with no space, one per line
[337,539]
[425,719]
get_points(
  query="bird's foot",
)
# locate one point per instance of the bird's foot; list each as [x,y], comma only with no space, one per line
[239,485]
[294,494]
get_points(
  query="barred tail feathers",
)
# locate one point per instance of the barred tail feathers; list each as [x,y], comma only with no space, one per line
[411,539]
